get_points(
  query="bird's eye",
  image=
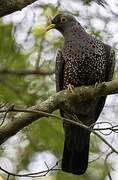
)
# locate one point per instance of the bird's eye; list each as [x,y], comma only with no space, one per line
[63,19]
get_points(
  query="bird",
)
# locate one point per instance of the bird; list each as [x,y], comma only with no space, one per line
[81,60]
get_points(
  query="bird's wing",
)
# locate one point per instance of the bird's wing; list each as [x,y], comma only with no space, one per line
[110,64]
[59,70]
[110,55]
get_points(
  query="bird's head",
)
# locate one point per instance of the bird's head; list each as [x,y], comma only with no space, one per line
[62,22]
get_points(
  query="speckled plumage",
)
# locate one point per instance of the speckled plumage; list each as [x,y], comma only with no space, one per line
[84,57]
[82,60]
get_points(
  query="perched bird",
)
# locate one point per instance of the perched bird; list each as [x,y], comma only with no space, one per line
[82,60]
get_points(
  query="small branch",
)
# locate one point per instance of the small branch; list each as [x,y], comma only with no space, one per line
[46,165]
[27,72]
[8,176]
[106,165]
[33,175]
[96,158]
[79,123]
[112,128]
[10,108]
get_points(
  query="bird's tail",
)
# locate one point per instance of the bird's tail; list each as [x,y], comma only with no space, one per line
[76,151]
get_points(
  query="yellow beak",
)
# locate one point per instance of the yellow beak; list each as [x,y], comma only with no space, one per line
[51,26]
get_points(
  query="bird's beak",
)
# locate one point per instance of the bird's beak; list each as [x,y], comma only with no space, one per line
[51,26]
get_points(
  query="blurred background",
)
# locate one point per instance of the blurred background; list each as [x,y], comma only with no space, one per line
[27,63]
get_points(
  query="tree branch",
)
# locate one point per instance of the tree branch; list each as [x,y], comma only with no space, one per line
[10,6]
[25,72]
[54,102]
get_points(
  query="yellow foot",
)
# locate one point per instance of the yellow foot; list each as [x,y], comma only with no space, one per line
[70,87]
[97,83]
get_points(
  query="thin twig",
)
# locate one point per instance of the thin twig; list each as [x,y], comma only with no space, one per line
[46,165]
[33,175]
[96,158]
[8,176]
[79,123]
[106,164]
[57,117]
[26,72]
[10,108]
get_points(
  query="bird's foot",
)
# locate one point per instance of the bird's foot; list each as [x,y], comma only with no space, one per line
[97,83]
[70,87]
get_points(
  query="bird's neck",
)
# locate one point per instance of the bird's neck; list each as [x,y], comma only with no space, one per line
[76,31]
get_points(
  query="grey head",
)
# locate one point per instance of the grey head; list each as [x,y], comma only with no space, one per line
[62,22]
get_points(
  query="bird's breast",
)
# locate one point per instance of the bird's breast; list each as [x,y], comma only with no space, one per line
[84,64]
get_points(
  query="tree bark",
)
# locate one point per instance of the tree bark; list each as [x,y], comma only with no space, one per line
[10,6]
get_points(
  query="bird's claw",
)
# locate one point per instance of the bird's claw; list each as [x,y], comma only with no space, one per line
[70,87]
[97,83]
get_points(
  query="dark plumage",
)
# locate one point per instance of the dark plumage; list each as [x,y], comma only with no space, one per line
[82,60]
